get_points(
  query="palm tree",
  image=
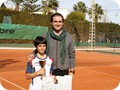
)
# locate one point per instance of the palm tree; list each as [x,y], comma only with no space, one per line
[30,6]
[17,4]
[49,5]
[98,12]
[80,6]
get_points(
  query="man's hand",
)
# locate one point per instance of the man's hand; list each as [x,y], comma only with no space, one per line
[71,74]
[30,57]
[71,71]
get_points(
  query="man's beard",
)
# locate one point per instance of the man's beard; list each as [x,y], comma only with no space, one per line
[56,29]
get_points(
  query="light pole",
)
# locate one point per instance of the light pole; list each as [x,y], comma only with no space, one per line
[92,27]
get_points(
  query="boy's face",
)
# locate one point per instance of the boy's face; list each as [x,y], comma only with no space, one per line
[41,48]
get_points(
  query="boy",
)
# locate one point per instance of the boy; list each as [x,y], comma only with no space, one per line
[35,67]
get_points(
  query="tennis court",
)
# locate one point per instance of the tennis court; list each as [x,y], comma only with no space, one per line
[94,70]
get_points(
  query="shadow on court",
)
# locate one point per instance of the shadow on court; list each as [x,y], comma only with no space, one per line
[3,63]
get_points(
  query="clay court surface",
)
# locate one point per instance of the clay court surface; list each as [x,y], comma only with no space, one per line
[94,71]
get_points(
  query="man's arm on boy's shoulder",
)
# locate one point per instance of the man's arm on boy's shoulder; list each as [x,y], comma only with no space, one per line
[31,56]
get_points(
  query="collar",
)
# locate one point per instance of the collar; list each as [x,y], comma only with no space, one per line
[58,34]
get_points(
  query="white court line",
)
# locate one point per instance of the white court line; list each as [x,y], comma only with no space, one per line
[98,49]
[22,48]
[98,72]
[12,83]
[18,48]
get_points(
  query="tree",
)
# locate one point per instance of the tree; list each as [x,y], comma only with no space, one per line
[49,5]
[30,6]
[75,18]
[98,12]
[80,6]
[17,4]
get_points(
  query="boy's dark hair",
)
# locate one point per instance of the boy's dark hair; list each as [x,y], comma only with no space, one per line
[56,14]
[39,40]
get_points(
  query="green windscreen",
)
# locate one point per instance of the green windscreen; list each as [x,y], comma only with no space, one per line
[18,31]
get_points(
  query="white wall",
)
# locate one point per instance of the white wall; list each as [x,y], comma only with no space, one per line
[63,11]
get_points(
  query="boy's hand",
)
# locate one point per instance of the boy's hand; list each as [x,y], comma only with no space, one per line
[41,71]
[55,80]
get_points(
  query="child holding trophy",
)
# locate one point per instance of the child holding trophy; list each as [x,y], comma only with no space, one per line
[40,65]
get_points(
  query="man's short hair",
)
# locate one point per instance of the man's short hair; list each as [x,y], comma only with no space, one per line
[56,14]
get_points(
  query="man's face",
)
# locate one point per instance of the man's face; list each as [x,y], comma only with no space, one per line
[57,23]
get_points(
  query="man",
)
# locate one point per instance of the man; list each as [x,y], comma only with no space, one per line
[60,47]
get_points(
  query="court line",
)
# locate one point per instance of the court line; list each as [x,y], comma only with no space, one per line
[98,72]
[81,49]
[98,49]
[17,48]
[12,83]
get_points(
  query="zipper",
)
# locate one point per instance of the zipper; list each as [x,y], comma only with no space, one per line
[56,54]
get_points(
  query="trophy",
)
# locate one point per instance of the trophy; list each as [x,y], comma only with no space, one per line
[42,64]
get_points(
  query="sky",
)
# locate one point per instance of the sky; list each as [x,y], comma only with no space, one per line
[111,7]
